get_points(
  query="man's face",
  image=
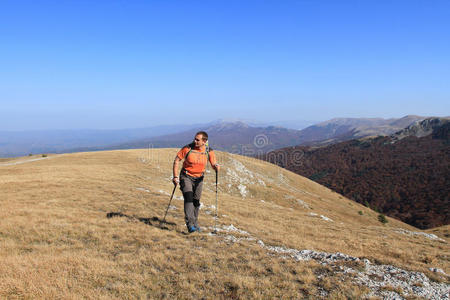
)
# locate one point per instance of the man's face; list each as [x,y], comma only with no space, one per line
[198,140]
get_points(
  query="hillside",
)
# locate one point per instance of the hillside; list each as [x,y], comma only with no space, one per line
[280,235]
[405,175]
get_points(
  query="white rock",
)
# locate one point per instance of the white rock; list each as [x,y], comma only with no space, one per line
[243,190]
[378,278]
[415,233]
[326,218]
[163,192]
[436,270]
[303,203]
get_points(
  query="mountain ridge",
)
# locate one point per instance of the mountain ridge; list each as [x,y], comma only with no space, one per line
[242,138]
[420,128]
[236,136]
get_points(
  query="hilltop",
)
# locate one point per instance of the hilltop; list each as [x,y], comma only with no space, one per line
[279,234]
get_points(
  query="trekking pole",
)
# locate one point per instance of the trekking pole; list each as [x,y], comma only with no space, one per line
[215,220]
[173,192]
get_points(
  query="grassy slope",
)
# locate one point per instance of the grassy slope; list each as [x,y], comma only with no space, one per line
[443,231]
[57,242]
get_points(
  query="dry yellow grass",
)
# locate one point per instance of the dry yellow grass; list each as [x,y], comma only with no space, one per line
[56,241]
[443,231]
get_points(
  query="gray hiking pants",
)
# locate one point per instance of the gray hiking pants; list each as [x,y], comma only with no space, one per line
[192,191]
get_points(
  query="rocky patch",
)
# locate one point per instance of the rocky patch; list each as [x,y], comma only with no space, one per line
[386,281]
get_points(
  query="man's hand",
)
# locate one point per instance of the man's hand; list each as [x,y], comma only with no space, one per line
[175,179]
[217,167]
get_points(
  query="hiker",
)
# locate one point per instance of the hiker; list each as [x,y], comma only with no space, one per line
[196,156]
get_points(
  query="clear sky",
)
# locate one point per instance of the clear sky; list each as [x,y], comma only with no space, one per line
[125,64]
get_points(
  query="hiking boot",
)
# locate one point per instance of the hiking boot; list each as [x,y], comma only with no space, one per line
[192,229]
[197,228]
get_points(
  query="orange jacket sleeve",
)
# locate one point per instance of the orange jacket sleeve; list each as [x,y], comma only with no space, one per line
[182,153]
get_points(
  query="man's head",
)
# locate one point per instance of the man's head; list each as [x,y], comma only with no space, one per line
[200,139]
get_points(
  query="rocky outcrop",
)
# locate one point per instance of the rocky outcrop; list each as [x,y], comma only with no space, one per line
[385,281]
[343,129]
[420,128]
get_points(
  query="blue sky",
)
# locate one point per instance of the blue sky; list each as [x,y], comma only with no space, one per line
[125,64]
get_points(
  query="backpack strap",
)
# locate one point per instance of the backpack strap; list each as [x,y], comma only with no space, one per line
[190,146]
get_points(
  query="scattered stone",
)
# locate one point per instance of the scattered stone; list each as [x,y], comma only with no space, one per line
[239,176]
[427,235]
[385,281]
[321,216]
[231,228]
[243,190]
[261,182]
[303,203]
[232,238]
[326,218]
[163,192]
[436,270]
[282,179]
[380,277]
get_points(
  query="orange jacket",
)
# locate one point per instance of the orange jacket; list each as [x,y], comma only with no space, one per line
[195,163]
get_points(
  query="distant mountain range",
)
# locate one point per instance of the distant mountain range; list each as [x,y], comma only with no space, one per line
[241,138]
[20,143]
[236,136]
[405,175]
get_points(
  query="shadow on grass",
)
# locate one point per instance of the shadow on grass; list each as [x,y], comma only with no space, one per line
[154,221]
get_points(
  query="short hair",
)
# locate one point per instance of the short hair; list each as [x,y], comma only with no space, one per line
[204,135]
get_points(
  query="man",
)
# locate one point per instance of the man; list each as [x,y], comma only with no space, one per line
[196,156]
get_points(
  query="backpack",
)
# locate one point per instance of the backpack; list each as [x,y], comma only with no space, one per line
[192,146]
